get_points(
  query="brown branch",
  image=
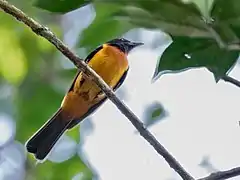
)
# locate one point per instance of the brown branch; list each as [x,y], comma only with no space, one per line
[221,175]
[231,80]
[47,34]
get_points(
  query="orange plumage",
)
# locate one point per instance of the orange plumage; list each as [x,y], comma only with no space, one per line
[84,96]
[110,63]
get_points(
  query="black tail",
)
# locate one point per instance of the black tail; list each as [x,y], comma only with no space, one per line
[41,143]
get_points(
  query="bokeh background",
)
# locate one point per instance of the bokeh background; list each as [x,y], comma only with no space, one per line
[196,119]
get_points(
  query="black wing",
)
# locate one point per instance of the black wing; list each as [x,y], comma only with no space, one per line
[121,80]
[96,106]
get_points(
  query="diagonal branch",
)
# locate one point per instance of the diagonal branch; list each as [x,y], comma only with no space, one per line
[221,175]
[231,80]
[47,34]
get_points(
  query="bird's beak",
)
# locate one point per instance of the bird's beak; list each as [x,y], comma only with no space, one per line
[135,44]
[132,45]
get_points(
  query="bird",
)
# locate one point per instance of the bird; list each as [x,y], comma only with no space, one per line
[84,97]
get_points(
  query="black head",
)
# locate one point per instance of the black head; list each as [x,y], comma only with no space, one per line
[123,44]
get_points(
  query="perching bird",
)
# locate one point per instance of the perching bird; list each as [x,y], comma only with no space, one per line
[84,96]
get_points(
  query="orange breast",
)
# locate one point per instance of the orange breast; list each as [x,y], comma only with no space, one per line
[110,63]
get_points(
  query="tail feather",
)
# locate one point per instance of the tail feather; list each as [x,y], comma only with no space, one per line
[43,141]
[34,142]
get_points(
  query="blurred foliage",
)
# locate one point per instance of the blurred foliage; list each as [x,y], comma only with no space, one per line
[58,171]
[196,20]
[31,84]
[191,53]
[103,24]
[33,98]
[12,69]
[204,34]
[59,6]
[207,165]
[154,113]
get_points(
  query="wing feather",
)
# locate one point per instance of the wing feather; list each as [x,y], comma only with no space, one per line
[97,105]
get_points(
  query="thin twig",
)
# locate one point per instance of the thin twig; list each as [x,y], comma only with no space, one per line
[47,34]
[231,80]
[221,175]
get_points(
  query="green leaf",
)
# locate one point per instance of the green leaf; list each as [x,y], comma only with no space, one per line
[61,6]
[36,102]
[223,11]
[204,6]
[184,19]
[186,53]
[227,14]
[104,27]
[60,171]
[155,112]
[226,33]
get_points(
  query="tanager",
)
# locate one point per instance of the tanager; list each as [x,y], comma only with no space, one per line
[110,62]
